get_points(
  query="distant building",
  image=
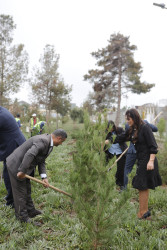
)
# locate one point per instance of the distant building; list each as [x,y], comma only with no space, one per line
[111,115]
[147,111]
[162,103]
[43,111]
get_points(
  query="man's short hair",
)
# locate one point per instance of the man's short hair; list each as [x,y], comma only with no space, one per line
[60,132]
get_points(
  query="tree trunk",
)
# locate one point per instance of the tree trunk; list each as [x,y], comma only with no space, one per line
[117,120]
[48,119]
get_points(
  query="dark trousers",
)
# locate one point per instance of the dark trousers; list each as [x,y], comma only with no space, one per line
[120,168]
[9,196]
[130,161]
[22,198]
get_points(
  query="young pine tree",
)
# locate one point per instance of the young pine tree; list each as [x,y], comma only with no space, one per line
[97,202]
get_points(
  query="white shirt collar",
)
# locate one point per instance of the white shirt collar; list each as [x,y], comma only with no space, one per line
[51,142]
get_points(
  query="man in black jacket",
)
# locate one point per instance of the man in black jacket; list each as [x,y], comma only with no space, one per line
[11,137]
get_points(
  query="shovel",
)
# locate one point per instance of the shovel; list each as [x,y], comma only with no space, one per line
[50,186]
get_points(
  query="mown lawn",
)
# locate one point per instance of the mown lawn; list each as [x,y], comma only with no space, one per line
[60,227]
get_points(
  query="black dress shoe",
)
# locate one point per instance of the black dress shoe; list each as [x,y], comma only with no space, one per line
[146,215]
[34,213]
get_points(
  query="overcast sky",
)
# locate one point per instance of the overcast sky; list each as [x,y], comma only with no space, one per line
[78,27]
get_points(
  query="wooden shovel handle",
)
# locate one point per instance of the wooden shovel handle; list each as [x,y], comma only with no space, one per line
[118,159]
[41,182]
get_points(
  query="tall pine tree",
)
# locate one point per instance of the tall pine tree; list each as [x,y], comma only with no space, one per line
[117,72]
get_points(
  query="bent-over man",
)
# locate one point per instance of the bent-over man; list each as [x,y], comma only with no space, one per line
[23,161]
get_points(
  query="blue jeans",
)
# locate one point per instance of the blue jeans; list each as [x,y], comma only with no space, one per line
[130,161]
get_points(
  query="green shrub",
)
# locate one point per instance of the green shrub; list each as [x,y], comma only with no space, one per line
[162,162]
[161,127]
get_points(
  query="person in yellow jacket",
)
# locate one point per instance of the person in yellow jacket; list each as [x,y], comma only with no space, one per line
[38,129]
[34,120]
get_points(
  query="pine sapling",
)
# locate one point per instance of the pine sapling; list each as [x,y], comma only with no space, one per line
[97,202]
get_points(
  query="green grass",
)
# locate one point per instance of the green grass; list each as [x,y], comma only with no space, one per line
[61,229]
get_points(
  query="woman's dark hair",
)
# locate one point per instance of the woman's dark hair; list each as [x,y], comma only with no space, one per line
[133,113]
[111,125]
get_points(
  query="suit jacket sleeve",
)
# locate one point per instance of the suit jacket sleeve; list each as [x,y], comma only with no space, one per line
[37,147]
[41,168]
[122,137]
[109,137]
[153,127]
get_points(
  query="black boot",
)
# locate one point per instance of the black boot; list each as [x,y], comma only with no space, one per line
[34,213]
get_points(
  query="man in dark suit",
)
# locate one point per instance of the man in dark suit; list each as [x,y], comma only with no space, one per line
[11,137]
[23,161]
